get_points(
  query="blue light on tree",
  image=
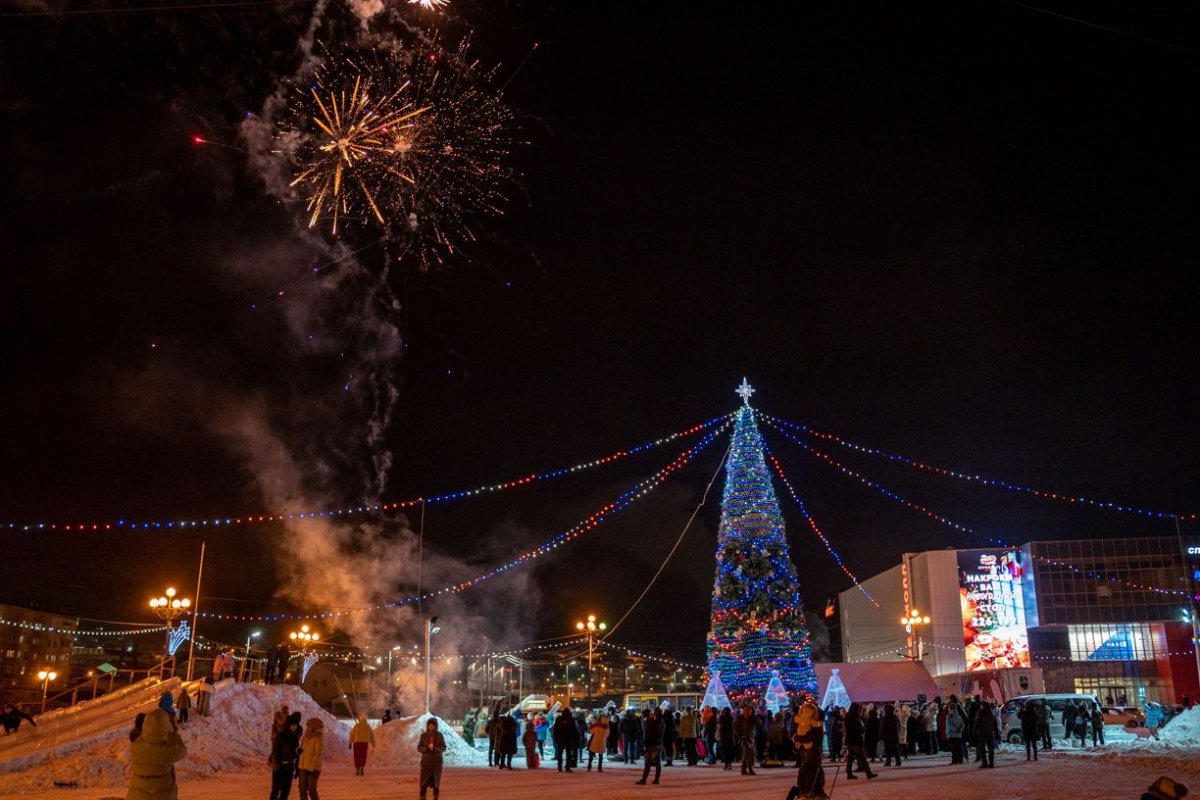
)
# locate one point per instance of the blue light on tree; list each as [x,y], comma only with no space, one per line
[758,622]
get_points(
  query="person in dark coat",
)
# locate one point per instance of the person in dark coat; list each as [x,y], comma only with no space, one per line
[745,728]
[834,729]
[856,751]
[725,738]
[272,664]
[985,735]
[709,726]
[652,733]
[566,740]
[431,745]
[631,735]
[668,723]
[12,718]
[614,733]
[889,732]
[507,743]
[872,737]
[1029,728]
[283,757]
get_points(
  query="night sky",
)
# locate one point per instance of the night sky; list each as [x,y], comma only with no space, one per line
[963,233]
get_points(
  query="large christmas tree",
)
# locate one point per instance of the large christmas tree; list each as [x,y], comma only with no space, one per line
[757,615]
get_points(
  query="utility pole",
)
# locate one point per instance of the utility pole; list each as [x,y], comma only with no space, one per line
[196,615]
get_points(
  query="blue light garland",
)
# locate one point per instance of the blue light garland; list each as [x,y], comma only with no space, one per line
[445,497]
[966,476]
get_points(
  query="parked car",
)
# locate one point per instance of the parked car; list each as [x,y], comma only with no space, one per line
[1125,716]
[1011,730]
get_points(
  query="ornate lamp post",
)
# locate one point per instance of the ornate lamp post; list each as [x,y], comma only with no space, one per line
[306,640]
[912,626]
[169,608]
[590,627]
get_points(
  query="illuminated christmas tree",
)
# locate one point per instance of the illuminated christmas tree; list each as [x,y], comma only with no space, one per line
[757,615]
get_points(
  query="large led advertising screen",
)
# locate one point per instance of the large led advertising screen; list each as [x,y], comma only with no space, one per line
[993,609]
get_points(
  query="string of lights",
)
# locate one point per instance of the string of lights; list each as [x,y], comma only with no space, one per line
[445,497]
[966,528]
[659,659]
[573,642]
[999,483]
[812,523]
[37,626]
[638,491]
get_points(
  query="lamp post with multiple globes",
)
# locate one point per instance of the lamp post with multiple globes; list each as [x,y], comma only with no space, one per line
[169,608]
[912,626]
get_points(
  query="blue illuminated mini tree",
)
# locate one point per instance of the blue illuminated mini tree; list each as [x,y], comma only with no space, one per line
[757,616]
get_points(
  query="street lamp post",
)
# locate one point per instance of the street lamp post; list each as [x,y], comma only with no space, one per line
[912,626]
[590,627]
[45,676]
[430,629]
[169,608]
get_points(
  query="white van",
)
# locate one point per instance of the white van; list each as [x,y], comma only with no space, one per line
[1011,724]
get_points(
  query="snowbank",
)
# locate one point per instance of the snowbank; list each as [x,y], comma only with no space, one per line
[396,744]
[1183,729]
[235,737]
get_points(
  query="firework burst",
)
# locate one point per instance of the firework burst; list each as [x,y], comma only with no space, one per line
[417,142]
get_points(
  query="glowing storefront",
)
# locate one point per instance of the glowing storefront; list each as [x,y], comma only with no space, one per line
[1107,616]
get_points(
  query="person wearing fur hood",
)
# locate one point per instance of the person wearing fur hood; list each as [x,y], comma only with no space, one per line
[152,757]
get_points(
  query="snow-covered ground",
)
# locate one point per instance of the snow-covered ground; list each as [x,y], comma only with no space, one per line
[925,778]
[88,746]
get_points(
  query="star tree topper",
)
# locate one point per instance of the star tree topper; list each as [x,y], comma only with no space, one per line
[745,390]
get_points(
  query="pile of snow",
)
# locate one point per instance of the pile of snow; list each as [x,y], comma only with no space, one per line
[396,744]
[235,737]
[1184,729]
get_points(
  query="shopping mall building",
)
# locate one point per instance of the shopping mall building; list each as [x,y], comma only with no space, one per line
[1110,617]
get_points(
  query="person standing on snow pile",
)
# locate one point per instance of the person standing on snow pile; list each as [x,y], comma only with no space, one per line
[312,758]
[431,745]
[183,704]
[167,703]
[284,748]
[361,737]
[1154,717]
[152,757]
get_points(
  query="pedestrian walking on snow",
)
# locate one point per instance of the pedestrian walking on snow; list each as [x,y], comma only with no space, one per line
[598,741]
[312,758]
[361,737]
[284,749]
[652,732]
[431,745]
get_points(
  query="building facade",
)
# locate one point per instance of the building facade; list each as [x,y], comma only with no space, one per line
[1111,617]
[31,641]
